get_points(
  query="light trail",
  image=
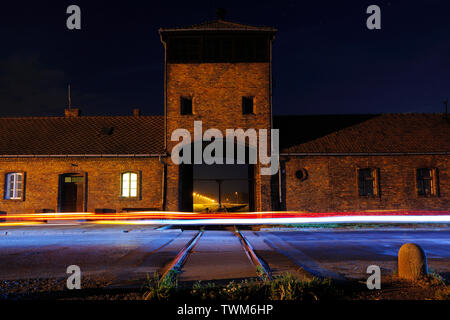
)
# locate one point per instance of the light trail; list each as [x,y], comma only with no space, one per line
[16,224]
[320,220]
[221,218]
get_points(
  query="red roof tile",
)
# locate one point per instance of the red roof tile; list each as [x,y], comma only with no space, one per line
[144,135]
[384,133]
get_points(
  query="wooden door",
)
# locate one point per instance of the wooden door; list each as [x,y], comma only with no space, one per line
[72,194]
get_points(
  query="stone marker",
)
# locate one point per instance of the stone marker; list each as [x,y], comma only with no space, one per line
[412,262]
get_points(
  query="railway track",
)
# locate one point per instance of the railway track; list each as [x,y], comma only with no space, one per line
[257,261]
[261,269]
[177,264]
[210,255]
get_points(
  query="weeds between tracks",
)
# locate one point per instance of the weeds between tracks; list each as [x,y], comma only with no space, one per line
[284,287]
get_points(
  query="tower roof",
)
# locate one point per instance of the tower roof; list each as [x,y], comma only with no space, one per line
[219,25]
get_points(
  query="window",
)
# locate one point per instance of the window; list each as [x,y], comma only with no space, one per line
[129,185]
[367,182]
[184,49]
[218,48]
[247,105]
[248,49]
[185,106]
[14,186]
[73,179]
[107,131]
[427,182]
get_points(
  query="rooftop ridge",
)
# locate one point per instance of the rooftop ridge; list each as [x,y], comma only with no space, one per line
[218,24]
[378,133]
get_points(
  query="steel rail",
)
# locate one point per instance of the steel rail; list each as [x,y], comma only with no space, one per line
[257,261]
[181,257]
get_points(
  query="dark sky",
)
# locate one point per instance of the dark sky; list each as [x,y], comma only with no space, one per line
[325,59]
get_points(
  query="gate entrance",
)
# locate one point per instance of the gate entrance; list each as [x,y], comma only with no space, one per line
[223,188]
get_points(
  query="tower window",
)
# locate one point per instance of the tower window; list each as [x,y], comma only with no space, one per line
[218,48]
[184,49]
[367,182]
[247,105]
[185,105]
[427,182]
[14,186]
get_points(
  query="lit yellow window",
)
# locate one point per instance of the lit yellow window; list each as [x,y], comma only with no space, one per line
[129,184]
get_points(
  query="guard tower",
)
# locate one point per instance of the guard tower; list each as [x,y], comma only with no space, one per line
[219,72]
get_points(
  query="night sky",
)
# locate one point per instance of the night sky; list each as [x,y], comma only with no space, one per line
[325,59]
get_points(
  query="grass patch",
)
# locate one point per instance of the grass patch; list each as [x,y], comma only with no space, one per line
[436,278]
[285,287]
[443,294]
[160,289]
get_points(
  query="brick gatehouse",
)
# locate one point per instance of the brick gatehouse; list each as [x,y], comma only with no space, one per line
[220,72]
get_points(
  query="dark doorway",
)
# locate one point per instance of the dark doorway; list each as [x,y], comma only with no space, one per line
[72,193]
[217,187]
[223,188]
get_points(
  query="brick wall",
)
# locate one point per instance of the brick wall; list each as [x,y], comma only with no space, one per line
[332,183]
[103,177]
[217,90]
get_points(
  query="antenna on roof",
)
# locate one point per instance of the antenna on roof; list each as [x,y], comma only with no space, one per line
[221,13]
[446,108]
[68,95]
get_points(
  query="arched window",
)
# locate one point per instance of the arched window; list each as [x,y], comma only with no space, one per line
[129,184]
[14,186]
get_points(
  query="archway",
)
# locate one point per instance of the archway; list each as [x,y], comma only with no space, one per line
[223,188]
[218,187]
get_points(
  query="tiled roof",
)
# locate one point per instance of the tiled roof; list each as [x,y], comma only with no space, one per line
[219,25]
[87,135]
[384,133]
[144,135]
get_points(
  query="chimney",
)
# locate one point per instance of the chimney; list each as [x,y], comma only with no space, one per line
[136,112]
[72,113]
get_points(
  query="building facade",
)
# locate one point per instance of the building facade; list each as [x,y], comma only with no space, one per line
[220,73]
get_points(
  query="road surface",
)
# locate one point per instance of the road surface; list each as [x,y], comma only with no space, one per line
[127,254]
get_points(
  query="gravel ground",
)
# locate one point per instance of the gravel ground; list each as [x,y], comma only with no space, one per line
[394,288]
[55,288]
[94,289]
